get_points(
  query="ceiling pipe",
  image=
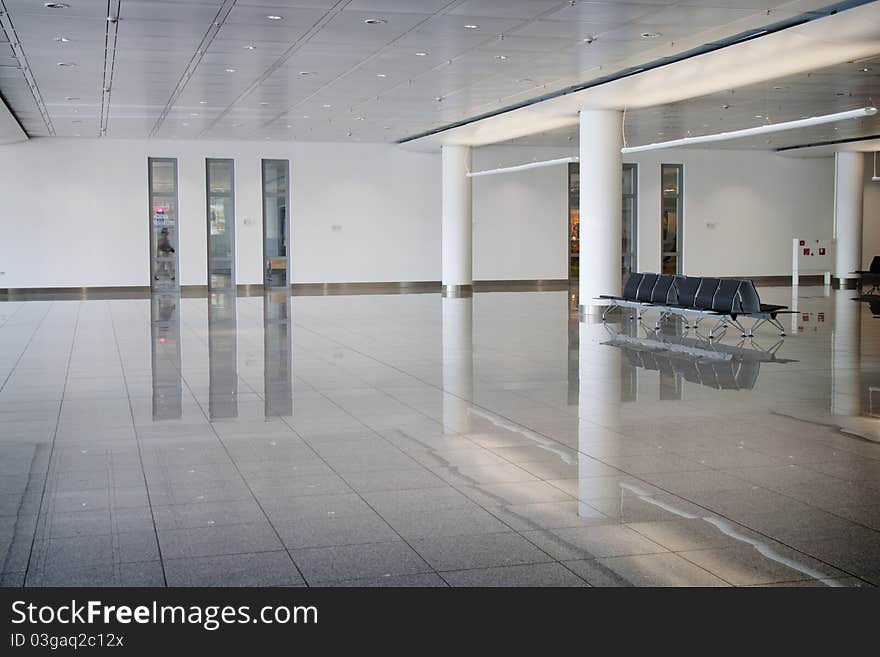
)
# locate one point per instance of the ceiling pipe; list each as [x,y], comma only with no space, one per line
[522,167]
[757,130]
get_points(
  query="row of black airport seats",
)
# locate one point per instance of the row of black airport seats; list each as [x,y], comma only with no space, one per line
[702,294]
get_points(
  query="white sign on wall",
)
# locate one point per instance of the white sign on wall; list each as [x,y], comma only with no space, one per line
[811,257]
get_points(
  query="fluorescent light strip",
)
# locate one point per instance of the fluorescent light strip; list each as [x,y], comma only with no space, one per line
[758,130]
[523,167]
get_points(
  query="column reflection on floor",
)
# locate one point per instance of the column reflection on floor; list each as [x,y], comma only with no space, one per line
[222,355]
[277,355]
[846,387]
[165,342]
[458,363]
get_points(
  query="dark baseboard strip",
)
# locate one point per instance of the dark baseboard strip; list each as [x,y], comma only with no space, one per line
[331,289]
[782,281]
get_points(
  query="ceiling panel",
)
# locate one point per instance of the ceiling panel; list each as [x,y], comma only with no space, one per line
[424,64]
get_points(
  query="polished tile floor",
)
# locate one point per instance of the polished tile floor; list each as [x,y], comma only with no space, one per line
[413,440]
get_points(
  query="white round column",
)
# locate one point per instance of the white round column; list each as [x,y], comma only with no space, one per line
[600,208]
[849,191]
[456,221]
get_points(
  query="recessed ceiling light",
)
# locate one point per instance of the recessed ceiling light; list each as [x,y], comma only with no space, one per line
[203,102]
[471,26]
[71,98]
[725,107]
[66,64]
[185,124]
[194,114]
[264,104]
[289,126]
[250,47]
[275,17]
[231,70]
[56,5]
[381,75]
[375,21]
[327,106]
[421,54]
[64,39]
[306,73]
[759,116]
[501,57]
[660,133]
[865,70]
[358,118]
[305,116]
[651,35]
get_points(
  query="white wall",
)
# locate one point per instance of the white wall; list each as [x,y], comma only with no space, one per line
[74,212]
[871,216]
[741,209]
[520,219]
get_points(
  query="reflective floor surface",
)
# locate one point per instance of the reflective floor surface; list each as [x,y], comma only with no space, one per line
[414,440]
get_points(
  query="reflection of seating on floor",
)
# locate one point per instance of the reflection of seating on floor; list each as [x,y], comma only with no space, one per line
[695,298]
[870,277]
[719,366]
[873,301]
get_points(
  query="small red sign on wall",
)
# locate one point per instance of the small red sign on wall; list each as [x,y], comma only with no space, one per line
[806,252]
[821,317]
[805,317]
[821,251]
[803,242]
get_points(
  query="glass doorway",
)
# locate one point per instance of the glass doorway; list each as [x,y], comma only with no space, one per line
[629,219]
[220,177]
[671,218]
[162,181]
[276,201]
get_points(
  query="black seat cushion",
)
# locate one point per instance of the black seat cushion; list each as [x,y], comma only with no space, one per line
[749,300]
[646,287]
[686,290]
[631,287]
[726,299]
[663,293]
[706,293]
[875,265]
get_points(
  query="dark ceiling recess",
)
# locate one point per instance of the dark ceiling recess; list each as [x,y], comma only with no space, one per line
[772,28]
[830,142]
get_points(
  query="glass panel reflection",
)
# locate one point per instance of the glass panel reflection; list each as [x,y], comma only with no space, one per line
[221,224]
[277,354]
[162,182]
[165,353]
[276,248]
[222,355]
[671,217]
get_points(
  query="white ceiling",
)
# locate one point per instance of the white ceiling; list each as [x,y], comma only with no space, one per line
[815,93]
[183,69]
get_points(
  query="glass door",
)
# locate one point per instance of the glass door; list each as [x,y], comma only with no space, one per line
[574,220]
[629,218]
[220,176]
[629,256]
[276,240]
[162,181]
[671,218]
